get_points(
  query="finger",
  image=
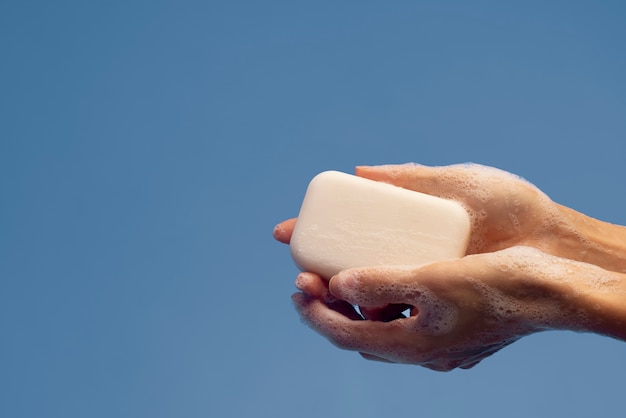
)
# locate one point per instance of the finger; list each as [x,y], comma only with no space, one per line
[313,285]
[484,352]
[316,287]
[472,362]
[470,365]
[372,357]
[441,365]
[282,232]
[375,287]
[410,176]
[345,309]
[363,336]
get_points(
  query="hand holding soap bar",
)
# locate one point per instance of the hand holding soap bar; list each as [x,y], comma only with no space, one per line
[346,221]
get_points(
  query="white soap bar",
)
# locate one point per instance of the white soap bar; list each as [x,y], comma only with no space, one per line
[347,221]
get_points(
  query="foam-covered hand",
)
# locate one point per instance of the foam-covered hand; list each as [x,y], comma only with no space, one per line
[505,211]
[463,310]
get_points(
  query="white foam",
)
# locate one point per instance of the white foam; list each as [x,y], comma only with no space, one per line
[435,316]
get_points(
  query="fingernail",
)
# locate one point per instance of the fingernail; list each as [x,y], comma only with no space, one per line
[330,284]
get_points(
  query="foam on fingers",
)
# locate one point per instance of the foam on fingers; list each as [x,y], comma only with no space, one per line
[312,284]
[376,287]
[282,232]
[337,328]
[372,287]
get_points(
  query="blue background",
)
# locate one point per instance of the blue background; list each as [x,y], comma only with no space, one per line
[147,149]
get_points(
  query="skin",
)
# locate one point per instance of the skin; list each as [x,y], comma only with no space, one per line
[532,265]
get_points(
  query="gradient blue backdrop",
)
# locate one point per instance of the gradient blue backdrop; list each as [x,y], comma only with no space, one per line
[148,148]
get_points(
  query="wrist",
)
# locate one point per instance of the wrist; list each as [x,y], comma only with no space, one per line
[606,309]
[582,238]
[563,294]
[585,298]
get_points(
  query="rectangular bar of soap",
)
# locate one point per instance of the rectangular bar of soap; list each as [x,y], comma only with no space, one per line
[347,221]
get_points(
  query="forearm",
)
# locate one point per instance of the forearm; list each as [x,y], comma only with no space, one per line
[582,238]
[584,298]
[559,293]
[606,310]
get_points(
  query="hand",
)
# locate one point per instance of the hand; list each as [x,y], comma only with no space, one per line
[463,310]
[504,210]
